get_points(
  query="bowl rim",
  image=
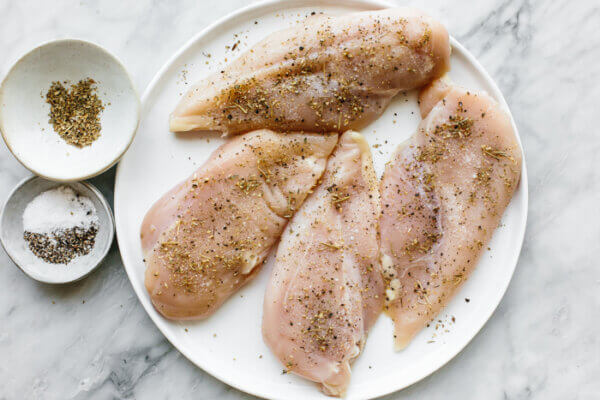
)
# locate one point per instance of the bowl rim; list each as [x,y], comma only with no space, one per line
[117,156]
[111,222]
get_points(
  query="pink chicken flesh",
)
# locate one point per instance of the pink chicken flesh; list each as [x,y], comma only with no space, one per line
[327,289]
[210,234]
[326,74]
[443,194]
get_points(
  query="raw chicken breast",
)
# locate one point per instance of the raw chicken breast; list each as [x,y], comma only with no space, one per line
[443,194]
[327,74]
[326,289]
[209,235]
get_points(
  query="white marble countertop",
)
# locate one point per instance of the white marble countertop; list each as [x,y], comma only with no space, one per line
[93,340]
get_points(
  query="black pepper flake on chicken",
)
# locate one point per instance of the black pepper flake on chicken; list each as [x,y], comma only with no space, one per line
[446,188]
[327,278]
[327,74]
[210,234]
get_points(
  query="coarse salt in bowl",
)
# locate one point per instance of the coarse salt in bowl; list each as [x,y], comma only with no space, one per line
[59,209]
[43,207]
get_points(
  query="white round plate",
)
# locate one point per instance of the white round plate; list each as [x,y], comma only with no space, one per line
[24,111]
[229,345]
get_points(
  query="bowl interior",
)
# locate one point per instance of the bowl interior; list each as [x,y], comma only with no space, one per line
[24,111]
[11,233]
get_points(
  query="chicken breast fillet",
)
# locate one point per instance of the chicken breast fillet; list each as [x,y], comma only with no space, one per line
[209,235]
[443,194]
[327,74]
[326,288]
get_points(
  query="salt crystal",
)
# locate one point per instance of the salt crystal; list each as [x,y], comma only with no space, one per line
[59,209]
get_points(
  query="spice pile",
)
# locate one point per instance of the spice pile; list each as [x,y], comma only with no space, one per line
[75,114]
[60,225]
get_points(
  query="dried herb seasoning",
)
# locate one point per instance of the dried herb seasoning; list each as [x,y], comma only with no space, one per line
[75,113]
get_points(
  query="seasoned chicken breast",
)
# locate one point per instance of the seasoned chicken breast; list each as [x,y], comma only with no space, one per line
[443,194]
[327,74]
[209,235]
[326,288]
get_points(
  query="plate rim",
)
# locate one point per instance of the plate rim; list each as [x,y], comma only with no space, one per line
[159,321]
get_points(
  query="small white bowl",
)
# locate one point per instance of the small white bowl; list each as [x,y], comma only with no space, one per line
[24,111]
[11,233]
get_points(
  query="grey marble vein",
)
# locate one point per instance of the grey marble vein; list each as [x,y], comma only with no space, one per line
[93,340]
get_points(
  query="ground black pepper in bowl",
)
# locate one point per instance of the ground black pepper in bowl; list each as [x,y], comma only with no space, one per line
[61,247]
